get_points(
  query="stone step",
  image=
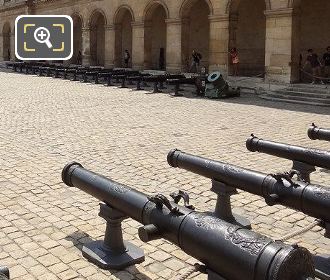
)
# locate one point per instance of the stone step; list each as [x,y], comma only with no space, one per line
[304,102]
[297,97]
[309,88]
[303,94]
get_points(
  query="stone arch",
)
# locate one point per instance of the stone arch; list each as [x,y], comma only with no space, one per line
[6,45]
[247,33]
[96,12]
[78,24]
[155,15]
[123,19]
[195,30]
[121,10]
[97,22]
[188,4]
[151,6]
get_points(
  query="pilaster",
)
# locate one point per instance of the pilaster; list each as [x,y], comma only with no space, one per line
[138,33]
[86,47]
[219,42]
[1,48]
[173,45]
[282,40]
[12,46]
[110,33]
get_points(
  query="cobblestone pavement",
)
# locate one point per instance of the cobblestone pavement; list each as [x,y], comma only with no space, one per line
[126,135]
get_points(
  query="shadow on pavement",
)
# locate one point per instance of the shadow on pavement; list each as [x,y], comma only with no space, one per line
[254,100]
[79,239]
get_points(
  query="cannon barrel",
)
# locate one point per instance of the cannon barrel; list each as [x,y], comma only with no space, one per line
[4,273]
[309,156]
[221,246]
[317,133]
[312,200]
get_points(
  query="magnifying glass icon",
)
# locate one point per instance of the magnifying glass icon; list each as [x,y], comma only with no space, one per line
[42,35]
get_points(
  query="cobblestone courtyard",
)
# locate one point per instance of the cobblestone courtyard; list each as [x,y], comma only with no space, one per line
[126,135]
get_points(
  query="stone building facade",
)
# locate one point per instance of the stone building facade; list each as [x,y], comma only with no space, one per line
[271,35]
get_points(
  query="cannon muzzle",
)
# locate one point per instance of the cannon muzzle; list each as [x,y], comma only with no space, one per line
[317,133]
[221,246]
[313,157]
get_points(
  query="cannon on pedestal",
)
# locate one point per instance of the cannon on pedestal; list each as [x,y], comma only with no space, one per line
[222,247]
[304,159]
[313,200]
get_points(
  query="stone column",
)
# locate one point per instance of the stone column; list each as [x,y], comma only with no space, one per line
[219,43]
[147,64]
[282,45]
[109,59]
[137,45]
[12,46]
[233,25]
[118,45]
[1,47]
[173,45]
[86,47]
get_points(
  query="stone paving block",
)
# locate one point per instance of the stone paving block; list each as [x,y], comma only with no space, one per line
[38,270]
[159,255]
[48,260]
[68,274]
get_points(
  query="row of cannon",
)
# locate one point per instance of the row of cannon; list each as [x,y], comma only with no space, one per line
[212,84]
[109,77]
[222,241]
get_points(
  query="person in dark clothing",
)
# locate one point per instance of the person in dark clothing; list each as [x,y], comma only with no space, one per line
[196,58]
[127,57]
[326,60]
[162,59]
[314,62]
[79,58]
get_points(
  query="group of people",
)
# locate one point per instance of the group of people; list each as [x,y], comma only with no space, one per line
[317,65]
[196,57]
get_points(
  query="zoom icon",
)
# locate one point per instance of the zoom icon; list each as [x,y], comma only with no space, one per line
[43,37]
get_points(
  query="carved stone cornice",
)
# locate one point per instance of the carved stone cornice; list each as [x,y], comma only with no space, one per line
[110,27]
[138,24]
[218,18]
[13,6]
[173,21]
[287,12]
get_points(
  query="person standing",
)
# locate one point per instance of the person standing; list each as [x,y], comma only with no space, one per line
[79,58]
[127,58]
[314,62]
[196,58]
[161,59]
[326,60]
[234,61]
